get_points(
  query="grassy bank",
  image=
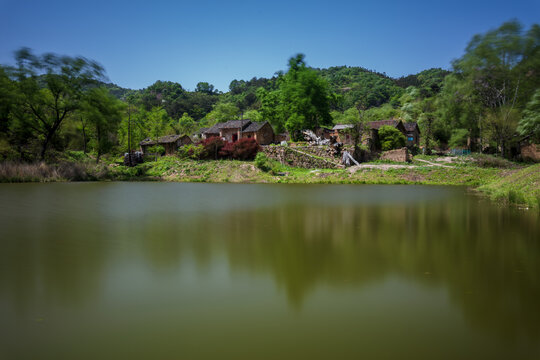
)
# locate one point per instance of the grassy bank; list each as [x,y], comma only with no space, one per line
[503,181]
[520,187]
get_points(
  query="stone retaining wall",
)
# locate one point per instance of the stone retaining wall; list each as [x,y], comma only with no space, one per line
[399,155]
[531,152]
[297,157]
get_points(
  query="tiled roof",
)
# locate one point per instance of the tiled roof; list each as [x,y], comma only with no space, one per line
[168,139]
[343,126]
[378,124]
[235,124]
[162,140]
[213,130]
[147,141]
[254,126]
[411,126]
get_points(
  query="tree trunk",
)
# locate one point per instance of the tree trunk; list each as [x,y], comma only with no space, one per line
[98,144]
[44,147]
[84,136]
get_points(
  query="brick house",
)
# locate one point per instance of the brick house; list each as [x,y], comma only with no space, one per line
[413,134]
[170,143]
[234,130]
[261,132]
[343,132]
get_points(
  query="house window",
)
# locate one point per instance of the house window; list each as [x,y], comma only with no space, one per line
[410,138]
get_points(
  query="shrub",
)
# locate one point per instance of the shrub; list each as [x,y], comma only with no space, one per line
[157,149]
[191,151]
[245,149]
[391,138]
[212,147]
[262,162]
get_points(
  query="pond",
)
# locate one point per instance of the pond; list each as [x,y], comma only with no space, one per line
[236,271]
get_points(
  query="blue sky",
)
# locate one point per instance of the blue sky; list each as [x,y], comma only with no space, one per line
[139,42]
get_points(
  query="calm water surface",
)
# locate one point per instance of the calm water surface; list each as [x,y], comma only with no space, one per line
[206,271]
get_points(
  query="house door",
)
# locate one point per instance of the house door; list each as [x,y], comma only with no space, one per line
[234,137]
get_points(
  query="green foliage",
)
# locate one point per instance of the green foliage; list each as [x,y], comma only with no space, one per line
[50,89]
[103,113]
[530,123]
[191,151]
[222,112]
[205,87]
[459,138]
[185,125]
[156,149]
[349,116]
[262,162]
[391,138]
[266,164]
[304,98]
[359,87]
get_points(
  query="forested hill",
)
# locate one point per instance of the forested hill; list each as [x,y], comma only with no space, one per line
[354,86]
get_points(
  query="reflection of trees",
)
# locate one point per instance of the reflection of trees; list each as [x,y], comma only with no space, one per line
[489,267]
[57,260]
[486,257]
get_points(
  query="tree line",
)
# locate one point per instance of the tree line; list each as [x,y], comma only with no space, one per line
[488,101]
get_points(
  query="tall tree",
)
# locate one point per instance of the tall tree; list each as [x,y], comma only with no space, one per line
[51,89]
[103,113]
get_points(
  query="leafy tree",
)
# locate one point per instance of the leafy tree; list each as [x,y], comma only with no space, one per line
[349,116]
[391,138]
[500,125]
[103,113]
[205,87]
[185,125]
[51,88]
[458,138]
[500,70]
[158,123]
[222,112]
[530,123]
[270,108]
[304,98]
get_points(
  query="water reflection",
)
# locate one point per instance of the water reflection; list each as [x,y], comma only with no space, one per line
[61,243]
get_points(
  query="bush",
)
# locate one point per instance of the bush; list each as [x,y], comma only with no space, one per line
[391,138]
[191,151]
[212,147]
[266,164]
[262,162]
[245,149]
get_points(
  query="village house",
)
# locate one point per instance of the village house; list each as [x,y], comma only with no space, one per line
[170,143]
[413,134]
[234,130]
[343,132]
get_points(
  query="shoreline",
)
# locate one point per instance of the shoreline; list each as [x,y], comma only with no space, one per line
[519,185]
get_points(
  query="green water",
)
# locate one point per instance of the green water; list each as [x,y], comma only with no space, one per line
[207,271]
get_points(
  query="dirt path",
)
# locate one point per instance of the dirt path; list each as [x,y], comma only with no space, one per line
[434,164]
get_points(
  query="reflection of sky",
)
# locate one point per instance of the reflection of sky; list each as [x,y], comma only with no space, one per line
[128,200]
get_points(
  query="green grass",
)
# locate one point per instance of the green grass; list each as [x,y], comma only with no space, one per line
[520,187]
[517,184]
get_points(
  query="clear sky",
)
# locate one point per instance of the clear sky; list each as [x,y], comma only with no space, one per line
[139,42]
